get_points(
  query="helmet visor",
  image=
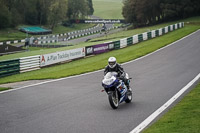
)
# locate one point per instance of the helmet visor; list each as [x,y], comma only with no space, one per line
[112,63]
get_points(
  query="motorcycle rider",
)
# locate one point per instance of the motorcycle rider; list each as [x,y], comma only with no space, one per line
[113,66]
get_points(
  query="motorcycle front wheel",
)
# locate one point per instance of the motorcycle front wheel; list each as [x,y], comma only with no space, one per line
[129,97]
[113,99]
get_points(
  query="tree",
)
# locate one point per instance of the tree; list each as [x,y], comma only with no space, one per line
[128,11]
[145,12]
[57,12]
[5,16]
[90,7]
[78,8]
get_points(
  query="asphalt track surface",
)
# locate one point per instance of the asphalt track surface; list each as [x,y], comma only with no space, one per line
[77,105]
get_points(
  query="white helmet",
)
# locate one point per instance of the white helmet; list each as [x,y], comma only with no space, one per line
[112,62]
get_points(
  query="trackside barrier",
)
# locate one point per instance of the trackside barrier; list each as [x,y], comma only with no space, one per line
[140,37]
[160,32]
[149,35]
[36,62]
[116,45]
[29,63]
[130,41]
[145,37]
[135,39]
[122,43]
[9,67]
[157,33]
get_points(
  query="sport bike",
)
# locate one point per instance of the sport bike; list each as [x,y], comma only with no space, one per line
[116,89]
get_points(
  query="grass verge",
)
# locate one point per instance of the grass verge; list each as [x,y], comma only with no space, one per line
[4,89]
[99,61]
[183,118]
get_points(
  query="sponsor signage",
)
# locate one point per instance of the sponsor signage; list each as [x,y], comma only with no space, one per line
[99,21]
[57,57]
[111,46]
[101,48]
[89,50]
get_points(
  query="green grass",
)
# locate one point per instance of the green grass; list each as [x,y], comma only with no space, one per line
[108,9]
[99,61]
[183,118]
[4,89]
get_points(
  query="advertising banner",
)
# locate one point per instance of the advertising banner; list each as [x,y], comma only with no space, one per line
[100,48]
[98,21]
[88,50]
[61,56]
[111,45]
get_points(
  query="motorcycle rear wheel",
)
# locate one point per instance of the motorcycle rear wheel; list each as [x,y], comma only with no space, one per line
[113,99]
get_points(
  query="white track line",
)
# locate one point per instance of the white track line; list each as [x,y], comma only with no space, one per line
[148,120]
[98,70]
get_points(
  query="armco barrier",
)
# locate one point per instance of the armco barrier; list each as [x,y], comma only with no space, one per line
[29,63]
[9,67]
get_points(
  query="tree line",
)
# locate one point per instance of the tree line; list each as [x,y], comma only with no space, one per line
[148,12]
[42,12]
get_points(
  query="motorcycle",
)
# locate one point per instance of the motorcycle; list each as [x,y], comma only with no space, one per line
[116,89]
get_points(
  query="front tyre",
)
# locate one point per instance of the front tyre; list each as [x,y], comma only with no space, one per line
[129,97]
[113,99]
